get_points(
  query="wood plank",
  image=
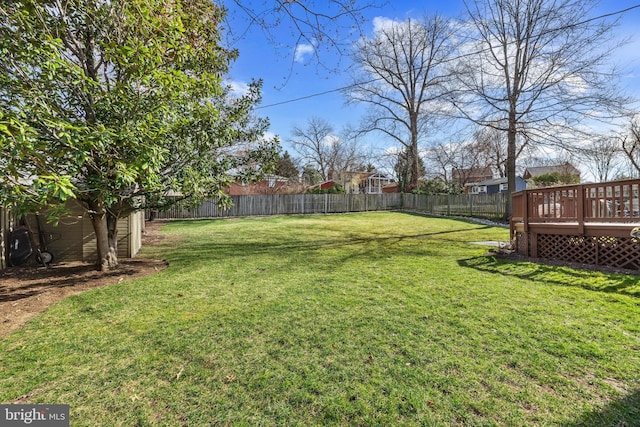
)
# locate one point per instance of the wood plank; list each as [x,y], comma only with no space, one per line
[589,228]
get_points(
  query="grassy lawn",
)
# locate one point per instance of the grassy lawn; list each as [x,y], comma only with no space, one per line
[362,319]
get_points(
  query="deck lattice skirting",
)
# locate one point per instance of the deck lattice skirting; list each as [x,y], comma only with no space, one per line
[587,224]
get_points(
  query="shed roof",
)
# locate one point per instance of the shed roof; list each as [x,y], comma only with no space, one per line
[542,170]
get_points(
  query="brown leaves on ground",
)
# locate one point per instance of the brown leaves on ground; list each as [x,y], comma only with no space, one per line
[28,291]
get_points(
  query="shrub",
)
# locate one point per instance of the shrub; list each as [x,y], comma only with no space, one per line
[334,189]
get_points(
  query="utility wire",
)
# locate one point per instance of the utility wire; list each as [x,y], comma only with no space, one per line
[340,89]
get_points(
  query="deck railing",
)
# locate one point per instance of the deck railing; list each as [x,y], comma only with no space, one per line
[587,223]
[610,202]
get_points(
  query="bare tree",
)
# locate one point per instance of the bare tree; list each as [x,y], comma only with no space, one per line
[345,155]
[536,70]
[385,162]
[439,161]
[402,77]
[311,24]
[603,157]
[444,159]
[319,146]
[310,143]
[631,146]
[490,149]
[481,156]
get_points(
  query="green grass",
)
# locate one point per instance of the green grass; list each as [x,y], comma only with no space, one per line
[362,319]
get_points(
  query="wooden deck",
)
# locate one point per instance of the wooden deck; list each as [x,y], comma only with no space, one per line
[588,223]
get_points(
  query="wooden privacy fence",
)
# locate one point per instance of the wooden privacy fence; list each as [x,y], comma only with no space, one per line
[589,223]
[488,206]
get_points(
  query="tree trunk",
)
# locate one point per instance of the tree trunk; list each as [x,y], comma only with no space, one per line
[415,166]
[106,259]
[511,164]
[112,236]
[413,152]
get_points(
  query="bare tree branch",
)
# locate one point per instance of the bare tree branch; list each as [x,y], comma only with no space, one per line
[538,67]
[316,144]
[329,25]
[402,77]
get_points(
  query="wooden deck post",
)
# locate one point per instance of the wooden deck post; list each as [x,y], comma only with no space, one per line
[526,211]
[580,209]
[533,245]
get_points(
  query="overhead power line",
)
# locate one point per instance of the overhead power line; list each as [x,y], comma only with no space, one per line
[340,89]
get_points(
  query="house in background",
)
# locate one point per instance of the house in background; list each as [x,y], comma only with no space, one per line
[350,180]
[494,186]
[471,175]
[362,182]
[393,187]
[375,183]
[325,185]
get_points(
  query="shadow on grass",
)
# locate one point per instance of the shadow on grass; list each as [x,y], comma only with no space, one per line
[297,248]
[624,412]
[496,222]
[28,281]
[557,275]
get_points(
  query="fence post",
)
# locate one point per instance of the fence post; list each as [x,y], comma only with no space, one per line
[448,205]
[470,204]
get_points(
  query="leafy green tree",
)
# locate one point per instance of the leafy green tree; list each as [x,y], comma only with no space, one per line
[334,189]
[285,166]
[555,178]
[405,170]
[118,105]
[311,175]
[438,186]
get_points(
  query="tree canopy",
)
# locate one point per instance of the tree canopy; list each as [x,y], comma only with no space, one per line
[118,105]
[285,166]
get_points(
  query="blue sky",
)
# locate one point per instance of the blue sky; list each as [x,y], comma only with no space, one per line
[287,76]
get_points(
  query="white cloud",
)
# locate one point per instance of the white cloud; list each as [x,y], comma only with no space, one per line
[268,136]
[381,23]
[330,140]
[392,151]
[237,88]
[302,50]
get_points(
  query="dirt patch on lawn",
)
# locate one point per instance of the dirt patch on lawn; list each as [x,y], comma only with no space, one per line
[28,291]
